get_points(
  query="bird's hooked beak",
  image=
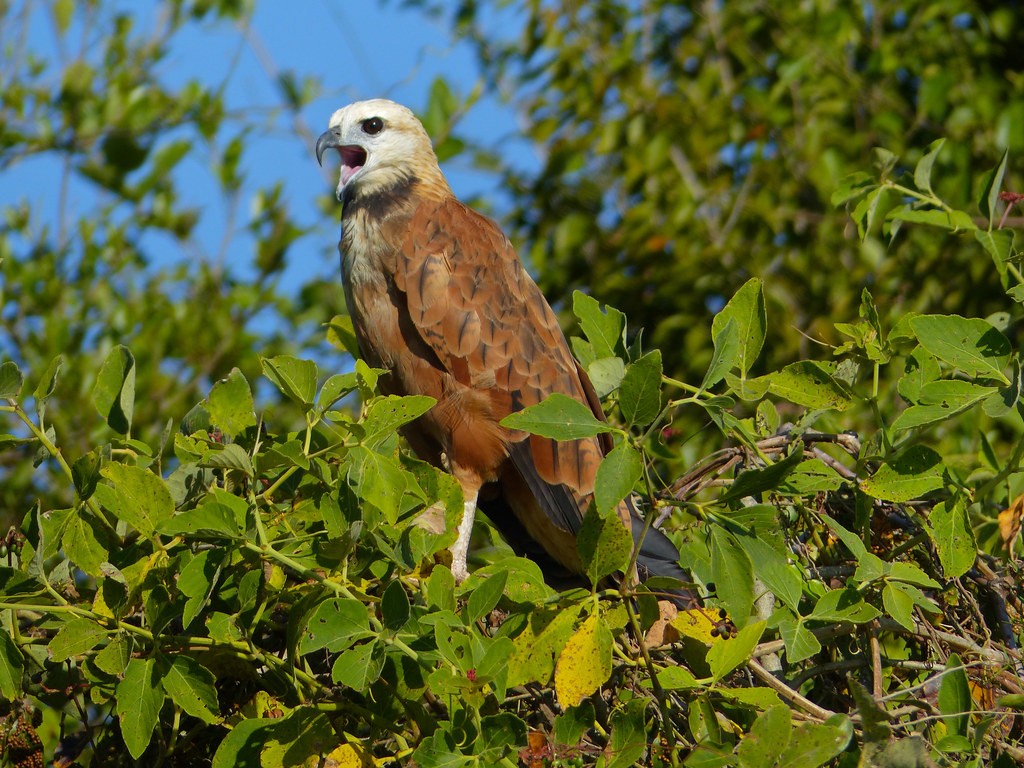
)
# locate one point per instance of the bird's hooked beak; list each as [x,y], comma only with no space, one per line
[353,157]
[329,139]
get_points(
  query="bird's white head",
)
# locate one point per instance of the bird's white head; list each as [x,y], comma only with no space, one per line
[382,146]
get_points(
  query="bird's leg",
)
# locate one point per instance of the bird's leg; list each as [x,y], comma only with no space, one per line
[460,549]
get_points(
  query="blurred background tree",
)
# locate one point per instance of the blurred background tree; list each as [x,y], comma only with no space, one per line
[134,243]
[690,145]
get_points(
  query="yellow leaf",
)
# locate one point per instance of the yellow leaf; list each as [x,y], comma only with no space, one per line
[1010,522]
[700,625]
[585,663]
[349,756]
[100,607]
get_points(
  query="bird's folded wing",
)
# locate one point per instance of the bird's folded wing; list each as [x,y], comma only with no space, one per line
[491,328]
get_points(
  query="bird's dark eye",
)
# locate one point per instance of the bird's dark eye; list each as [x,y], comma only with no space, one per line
[373,125]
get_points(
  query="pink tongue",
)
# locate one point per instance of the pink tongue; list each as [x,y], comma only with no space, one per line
[348,171]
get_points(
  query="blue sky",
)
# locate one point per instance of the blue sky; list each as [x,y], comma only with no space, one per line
[357,49]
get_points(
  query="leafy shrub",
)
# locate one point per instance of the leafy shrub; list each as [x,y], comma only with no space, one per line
[240,594]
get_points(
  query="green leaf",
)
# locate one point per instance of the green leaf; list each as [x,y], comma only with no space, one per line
[384,415]
[558,417]
[866,211]
[230,456]
[604,545]
[851,187]
[85,472]
[940,400]
[949,527]
[606,374]
[991,186]
[1011,701]
[300,738]
[574,722]
[336,387]
[998,243]
[911,574]
[242,745]
[211,517]
[379,480]
[746,310]
[12,665]
[440,592]
[955,697]
[812,476]
[77,636]
[640,391]
[1004,401]
[726,355]
[485,597]
[751,390]
[915,472]
[899,604]
[604,327]
[231,406]
[48,382]
[137,496]
[920,369]
[197,581]
[811,385]
[843,605]
[114,657]
[139,696]
[16,585]
[628,741]
[341,334]
[957,743]
[335,625]
[954,221]
[359,666]
[192,687]
[812,745]
[767,739]
[733,575]
[800,643]
[772,567]
[294,377]
[973,345]
[725,656]
[755,481]
[114,391]
[618,472]
[11,380]
[81,542]
[222,628]
[677,679]
[394,606]
[761,698]
[923,170]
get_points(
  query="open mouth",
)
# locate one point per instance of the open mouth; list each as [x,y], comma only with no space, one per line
[352,160]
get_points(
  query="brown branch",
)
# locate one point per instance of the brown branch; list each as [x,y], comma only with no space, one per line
[788,693]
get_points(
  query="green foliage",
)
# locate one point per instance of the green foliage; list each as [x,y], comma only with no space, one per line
[279,597]
[265,584]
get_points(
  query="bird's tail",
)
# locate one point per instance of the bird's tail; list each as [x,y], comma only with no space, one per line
[659,557]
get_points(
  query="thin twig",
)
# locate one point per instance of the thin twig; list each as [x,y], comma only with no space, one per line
[788,693]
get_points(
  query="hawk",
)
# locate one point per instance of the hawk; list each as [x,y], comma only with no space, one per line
[439,298]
